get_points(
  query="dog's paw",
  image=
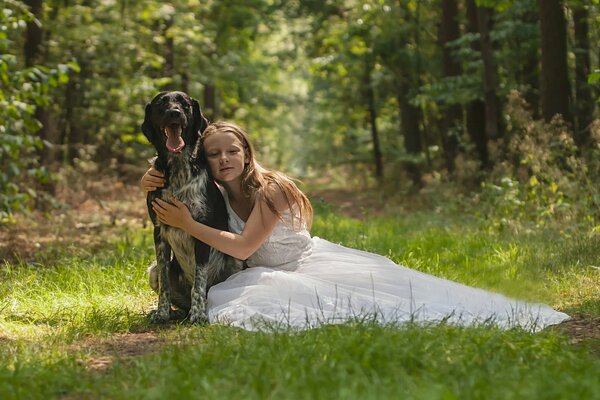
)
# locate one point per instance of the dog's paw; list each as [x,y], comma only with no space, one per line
[198,318]
[178,315]
[158,318]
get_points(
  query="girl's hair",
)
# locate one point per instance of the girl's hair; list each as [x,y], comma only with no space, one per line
[256,179]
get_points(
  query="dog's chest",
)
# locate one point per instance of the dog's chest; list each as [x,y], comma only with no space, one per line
[190,190]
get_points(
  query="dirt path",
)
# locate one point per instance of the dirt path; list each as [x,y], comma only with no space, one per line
[89,214]
[100,354]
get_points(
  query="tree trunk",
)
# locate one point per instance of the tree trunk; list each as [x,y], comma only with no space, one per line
[68,124]
[34,35]
[490,80]
[410,117]
[372,111]
[185,81]
[169,54]
[34,54]
[211,105]
[476,126]
[584,104]
[452,120]
[555,89]
[528,72]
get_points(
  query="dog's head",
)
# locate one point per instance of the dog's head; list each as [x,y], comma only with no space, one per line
[173,122]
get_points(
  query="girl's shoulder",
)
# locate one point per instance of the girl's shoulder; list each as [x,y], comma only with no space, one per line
[273,193]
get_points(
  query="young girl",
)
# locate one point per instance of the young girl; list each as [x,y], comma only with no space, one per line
[298,281]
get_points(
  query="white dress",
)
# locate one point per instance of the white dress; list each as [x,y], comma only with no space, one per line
[295,281]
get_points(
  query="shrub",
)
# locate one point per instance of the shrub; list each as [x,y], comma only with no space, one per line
[22,90]
[544,177]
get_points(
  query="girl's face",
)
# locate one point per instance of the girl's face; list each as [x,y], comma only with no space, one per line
[226,156]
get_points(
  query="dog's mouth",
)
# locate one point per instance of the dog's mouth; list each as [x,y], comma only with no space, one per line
[174,142]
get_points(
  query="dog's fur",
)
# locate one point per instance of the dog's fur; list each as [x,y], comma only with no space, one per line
[186,267]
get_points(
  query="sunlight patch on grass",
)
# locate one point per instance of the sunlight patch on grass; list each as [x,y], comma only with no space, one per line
[579,291]
[77,297]
[12,331]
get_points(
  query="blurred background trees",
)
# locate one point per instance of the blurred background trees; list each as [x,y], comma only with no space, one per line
[398,93]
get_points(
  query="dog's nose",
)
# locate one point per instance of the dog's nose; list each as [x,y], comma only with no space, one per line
[173,113]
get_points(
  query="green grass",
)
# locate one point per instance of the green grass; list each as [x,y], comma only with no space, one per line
[55,317]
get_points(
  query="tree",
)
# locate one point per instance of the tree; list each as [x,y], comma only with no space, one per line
[369,95]
[476,109]
[584,104]
[399,49]
[452,119]
[555,88]
[34,55]
[23,90]
[490,83]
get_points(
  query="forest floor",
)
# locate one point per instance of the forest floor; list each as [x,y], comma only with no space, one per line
[87,219]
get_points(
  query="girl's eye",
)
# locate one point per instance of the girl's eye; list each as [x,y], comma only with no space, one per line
[212,155]
[234,151]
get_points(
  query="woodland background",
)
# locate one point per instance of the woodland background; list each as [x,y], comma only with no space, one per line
[495,97]
[459,138]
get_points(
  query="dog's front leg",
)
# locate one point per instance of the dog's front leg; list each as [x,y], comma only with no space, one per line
[163,259]
[198,310]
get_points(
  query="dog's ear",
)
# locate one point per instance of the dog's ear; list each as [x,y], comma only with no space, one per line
[200,122]
[147,124]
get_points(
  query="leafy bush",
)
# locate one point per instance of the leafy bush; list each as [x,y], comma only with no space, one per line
[545,177]
[21,91]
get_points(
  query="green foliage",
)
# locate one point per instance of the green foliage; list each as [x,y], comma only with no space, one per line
[499,5]
[296,75]
[21,91]
[594,77]
[546,180]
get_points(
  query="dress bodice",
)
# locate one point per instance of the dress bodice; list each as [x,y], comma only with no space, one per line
[284,247]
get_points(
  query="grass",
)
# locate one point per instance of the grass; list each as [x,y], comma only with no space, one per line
[60,319]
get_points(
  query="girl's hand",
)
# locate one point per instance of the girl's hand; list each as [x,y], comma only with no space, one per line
[152,180]
[176,214]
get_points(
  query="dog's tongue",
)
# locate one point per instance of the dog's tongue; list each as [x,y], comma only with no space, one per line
[174,141]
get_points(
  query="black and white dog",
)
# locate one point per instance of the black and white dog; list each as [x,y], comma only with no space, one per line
[186,267]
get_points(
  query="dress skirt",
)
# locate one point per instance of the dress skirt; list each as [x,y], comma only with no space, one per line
[332,284]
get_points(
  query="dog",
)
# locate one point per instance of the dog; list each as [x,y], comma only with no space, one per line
[186,267]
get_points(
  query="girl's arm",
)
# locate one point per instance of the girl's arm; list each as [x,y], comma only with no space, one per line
[259,226]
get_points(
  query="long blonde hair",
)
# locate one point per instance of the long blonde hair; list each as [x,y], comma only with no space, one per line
[256,178]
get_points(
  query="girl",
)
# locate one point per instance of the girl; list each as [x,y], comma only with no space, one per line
[298,281]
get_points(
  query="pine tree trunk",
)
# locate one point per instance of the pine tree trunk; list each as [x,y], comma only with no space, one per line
[169,54]
[476,126]
[410,117]
[528,71]
[34,55]
[490,80]
[211,105]
[584,104]
[452,120]
[555,89]
[372,112]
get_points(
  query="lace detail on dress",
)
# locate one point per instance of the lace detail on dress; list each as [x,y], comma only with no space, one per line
[283,249]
